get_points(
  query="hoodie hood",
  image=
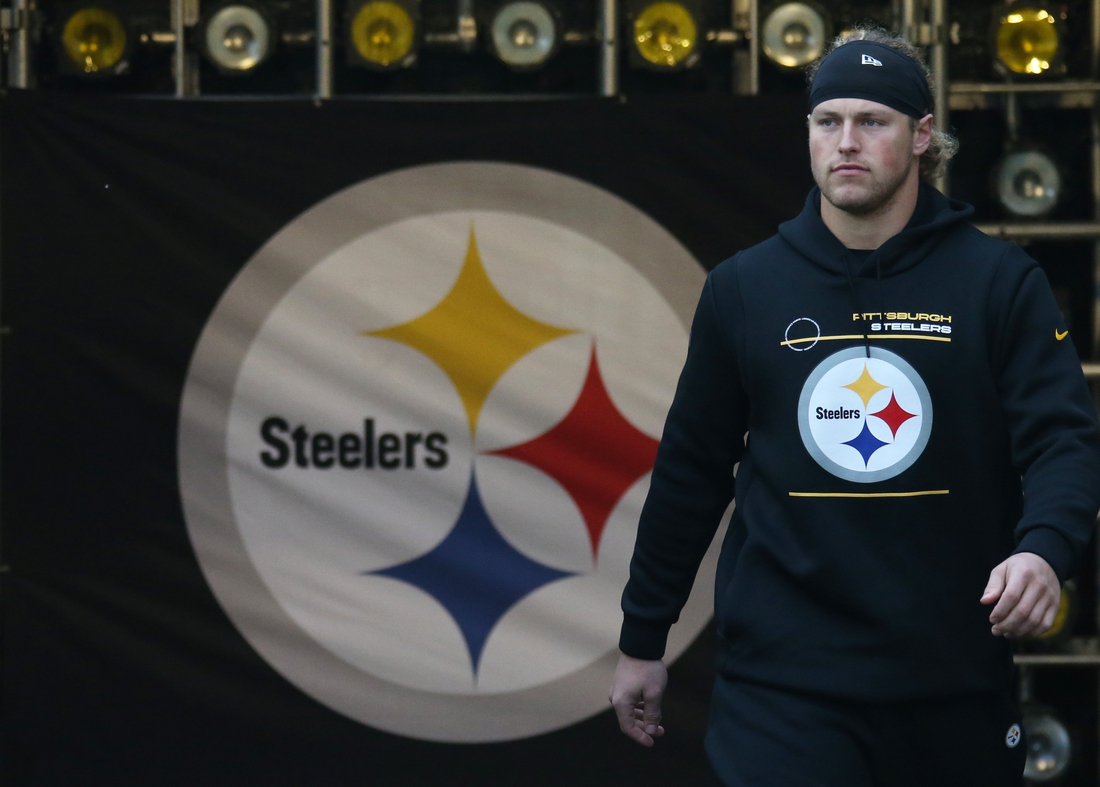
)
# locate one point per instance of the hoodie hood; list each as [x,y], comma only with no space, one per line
[933,217]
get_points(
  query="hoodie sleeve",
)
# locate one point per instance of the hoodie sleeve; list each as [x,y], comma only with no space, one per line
[1052,422]
[692,481]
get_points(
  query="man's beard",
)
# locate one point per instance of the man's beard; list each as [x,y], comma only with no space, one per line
[869,202]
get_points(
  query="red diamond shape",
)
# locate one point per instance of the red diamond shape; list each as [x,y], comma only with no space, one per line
[594,453]
[893,415]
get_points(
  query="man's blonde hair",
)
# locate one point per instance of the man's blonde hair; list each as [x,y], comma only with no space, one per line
[933,162]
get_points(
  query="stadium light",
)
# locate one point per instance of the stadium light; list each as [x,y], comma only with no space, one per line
[237,38]
[95,42]
[1028,41]
[1028,183]
[664,35]
[1049,747]
[794,34]
[524,34]
[383,34]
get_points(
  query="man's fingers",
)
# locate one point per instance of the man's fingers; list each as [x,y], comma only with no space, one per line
[639,734]
[1048,618]
[1014,620]
[651,713]
[1031,625]
[1039,620]
[625,707]
[625,716]
[636,729]
[652,725]
[996,584]
[645,716]
[639,716]
[1016,583]
[1036,620]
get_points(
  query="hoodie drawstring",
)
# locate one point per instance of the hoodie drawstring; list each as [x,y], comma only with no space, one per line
[855,301]
[881,297]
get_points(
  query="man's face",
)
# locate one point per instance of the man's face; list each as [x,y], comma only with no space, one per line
[860,152]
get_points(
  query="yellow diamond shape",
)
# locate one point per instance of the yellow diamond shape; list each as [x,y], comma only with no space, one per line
[473,334]
[866,386]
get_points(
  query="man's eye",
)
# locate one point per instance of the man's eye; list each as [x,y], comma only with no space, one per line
[870,122]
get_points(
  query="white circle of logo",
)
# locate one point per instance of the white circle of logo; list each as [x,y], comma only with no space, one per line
[794,343]
[1012,737]
[415,438]
[865,419]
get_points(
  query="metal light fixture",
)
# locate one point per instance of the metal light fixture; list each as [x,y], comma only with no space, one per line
[524,34]
[1049,748]
[1028,183]
[794,34]
[95,42]
[382,34]
[1028,40]
[665,35]
[237,38]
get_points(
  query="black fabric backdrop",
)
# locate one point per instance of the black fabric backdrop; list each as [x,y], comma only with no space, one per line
[121,223]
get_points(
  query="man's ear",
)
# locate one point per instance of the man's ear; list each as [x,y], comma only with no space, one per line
[922,135]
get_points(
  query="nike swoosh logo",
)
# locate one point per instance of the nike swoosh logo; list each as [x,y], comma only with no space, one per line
[1060,336]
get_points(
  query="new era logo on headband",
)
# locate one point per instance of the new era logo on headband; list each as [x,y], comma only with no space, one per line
[870,61]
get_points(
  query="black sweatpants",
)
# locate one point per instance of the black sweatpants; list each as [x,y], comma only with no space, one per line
[767,737]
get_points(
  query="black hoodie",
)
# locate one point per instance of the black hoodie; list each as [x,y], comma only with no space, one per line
[882,478]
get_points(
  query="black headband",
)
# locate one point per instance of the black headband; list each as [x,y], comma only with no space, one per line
[875,72]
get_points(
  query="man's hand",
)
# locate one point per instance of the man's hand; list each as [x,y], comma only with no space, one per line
[1026,592]
[636,696]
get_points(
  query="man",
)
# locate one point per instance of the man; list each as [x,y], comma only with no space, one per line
[915,440]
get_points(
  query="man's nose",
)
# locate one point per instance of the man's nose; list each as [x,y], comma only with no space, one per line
[848,140]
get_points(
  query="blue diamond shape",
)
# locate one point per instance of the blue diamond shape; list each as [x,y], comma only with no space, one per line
[866,443]
[475,574]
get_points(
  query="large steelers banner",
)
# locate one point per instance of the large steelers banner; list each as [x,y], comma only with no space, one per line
[326,428]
